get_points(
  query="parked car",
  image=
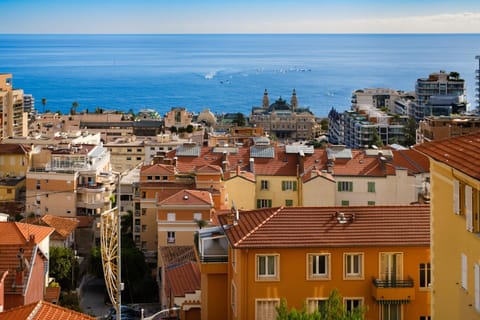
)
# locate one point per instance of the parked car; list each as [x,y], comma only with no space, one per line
[126,312]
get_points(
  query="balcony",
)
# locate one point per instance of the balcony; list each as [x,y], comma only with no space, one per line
[90,188]
[388,290]
[90,205]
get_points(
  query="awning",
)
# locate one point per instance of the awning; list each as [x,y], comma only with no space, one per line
[393,301]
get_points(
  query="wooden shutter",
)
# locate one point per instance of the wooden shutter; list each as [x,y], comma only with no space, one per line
[283,185]
[456,197]
[477,286]
[464,271]
[469,207]
[294,185]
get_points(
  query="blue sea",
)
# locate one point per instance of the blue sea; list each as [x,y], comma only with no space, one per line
[226,73]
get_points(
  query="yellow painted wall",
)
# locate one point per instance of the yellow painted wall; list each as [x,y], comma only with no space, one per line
[275,192]
[14,165]
[318,192]
[449,240]
[295,288]
[242,192]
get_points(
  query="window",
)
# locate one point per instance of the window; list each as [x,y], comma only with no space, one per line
[345,203]
[264,184]
[456,197]
[129,158]
[144,194]
[171,237]
[129,150]
[289,185]
[345,186]
[391,312]
[288,202]
[464,271]
[424,275]
[144,227]
[144,211]
[318,266]
[197,216]
[267,267]
[352,303]
[371,203]
[9,191]
[425,318]
[171,216]
[371,186]
[391,265]
[139,158]
[139,150]
[353,265]
[164,178]
[157,177]
[264,203]
[314,304]
[149,177]
[469,207]
[266,309]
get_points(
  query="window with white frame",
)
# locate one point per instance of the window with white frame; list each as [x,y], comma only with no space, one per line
[264,184]
[464,271]
[353,265]
[424,279]
[265,309]
[316,304]
[197,216]
[318,266]
[352,303]
[391,312]
[345,186]
[267,267]
[170,236]
[289,185]
[264,203]
[171,216]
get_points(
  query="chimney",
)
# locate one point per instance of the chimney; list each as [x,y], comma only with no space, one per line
[175,161]
[224,161]
[301,162]
[238,170]
[32,238]
[252,167]
[20,271]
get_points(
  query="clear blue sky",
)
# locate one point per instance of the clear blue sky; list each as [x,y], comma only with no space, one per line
[240,16]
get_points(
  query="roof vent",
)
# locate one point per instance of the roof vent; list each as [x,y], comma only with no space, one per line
[185,197]
[344,218]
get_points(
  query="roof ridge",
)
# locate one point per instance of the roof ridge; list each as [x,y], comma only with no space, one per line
[259,225]
[35,310]
[411,161]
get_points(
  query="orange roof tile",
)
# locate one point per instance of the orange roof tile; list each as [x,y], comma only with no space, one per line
[209,168]
[159,169]
[412,160]
[182,279]
[188,197]
[63,226]
[19,233]
[43,310]
[460,153]
[9,261]
[176,254]
[318,227]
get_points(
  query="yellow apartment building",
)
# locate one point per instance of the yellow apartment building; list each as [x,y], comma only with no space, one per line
[302,254]
[455,224]
[14,121]
[15,160]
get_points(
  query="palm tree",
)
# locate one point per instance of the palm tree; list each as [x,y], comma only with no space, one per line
[73,110]
[44,103]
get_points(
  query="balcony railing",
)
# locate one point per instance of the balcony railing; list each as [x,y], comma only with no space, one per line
[393,283]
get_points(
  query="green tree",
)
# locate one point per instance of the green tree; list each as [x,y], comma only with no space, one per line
[73,110]
[173,129]
[62,264]
[410,132]
[376,140]
[239,119]
[44,103]
[333,309]
[324,124]
[189,128]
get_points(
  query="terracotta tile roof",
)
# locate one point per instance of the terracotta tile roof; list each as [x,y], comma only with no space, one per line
[85,221]
[160,169]
[182,279]
[43,310]
[14,148]
[63,226]
[19,233]
[188,197]
[9,261]
[176,254]
[412,160]
[318,227]
[209,168]
[461,153]
[314,173]
[52,294]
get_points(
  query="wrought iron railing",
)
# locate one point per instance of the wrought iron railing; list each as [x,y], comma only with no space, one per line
[395,283]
